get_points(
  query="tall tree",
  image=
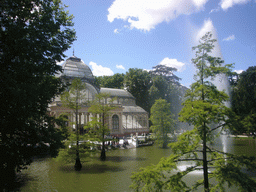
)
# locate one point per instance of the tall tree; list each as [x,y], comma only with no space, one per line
[73,98]
[205,110]
[244,102]
[166,72]
[165,85]
[163,123]
[160,88]
[34,35]
[99,125]
[200,107]
[137,82]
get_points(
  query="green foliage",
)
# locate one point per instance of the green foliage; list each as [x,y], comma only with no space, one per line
[205,110]
[146,87]
[166,72]
[67,155]
[99,128]
[163,123]
[244,102]
[73,98]
[53,136]
[137,82]
[160,177]
[165,176]
[160,88]
[228,171]
[34,35]
[116,81]
[62,122]
[165,85]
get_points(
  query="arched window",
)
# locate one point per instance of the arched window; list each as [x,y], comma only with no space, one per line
[115,122]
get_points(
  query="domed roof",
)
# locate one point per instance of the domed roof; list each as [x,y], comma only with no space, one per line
[117,93]
[75,67]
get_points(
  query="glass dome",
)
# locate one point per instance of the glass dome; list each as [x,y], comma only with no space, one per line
[75,67]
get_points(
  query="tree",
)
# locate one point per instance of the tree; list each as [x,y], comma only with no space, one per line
[68,154]
[62,122]
[160,88]
[244,102]
[101,108]
[166,72]
[137,82]
[165,85]
[73,98]
[162,121]
[116,81]
[205,105]
[205,110]
[34,35]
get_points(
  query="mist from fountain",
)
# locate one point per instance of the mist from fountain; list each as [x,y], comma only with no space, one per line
[222,84]
[220,81]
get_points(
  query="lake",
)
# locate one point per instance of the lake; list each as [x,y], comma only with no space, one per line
[114,174]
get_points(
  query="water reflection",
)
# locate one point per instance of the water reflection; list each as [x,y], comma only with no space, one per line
[125,158]
[92,168]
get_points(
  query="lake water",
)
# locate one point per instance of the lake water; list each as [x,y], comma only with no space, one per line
[113,174]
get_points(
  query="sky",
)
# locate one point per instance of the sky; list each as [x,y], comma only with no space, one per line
[115,35]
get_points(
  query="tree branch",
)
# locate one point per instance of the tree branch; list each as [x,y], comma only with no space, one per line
[219,159]
[188,160]
[218,127]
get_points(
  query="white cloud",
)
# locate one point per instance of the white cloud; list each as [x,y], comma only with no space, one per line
[215,10]
[99,70]
[239,71]
[120,67]
[116,31]
[225,4]
[172,63]
[148,70]
[229,38]
[146,14]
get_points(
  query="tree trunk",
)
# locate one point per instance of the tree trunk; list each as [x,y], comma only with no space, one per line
[78,165]
[164,134]
[103,154]
[205,163]
[205,166]
[103,151]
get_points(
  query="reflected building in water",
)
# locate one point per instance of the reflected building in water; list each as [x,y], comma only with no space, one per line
[127,118]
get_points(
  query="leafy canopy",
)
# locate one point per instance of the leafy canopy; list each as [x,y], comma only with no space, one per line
[99,126]
[163,124]
[244,102]
[137,82]
[34,35]
[74,98]
[116,81]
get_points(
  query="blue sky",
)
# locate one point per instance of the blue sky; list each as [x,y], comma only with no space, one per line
[115,35]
